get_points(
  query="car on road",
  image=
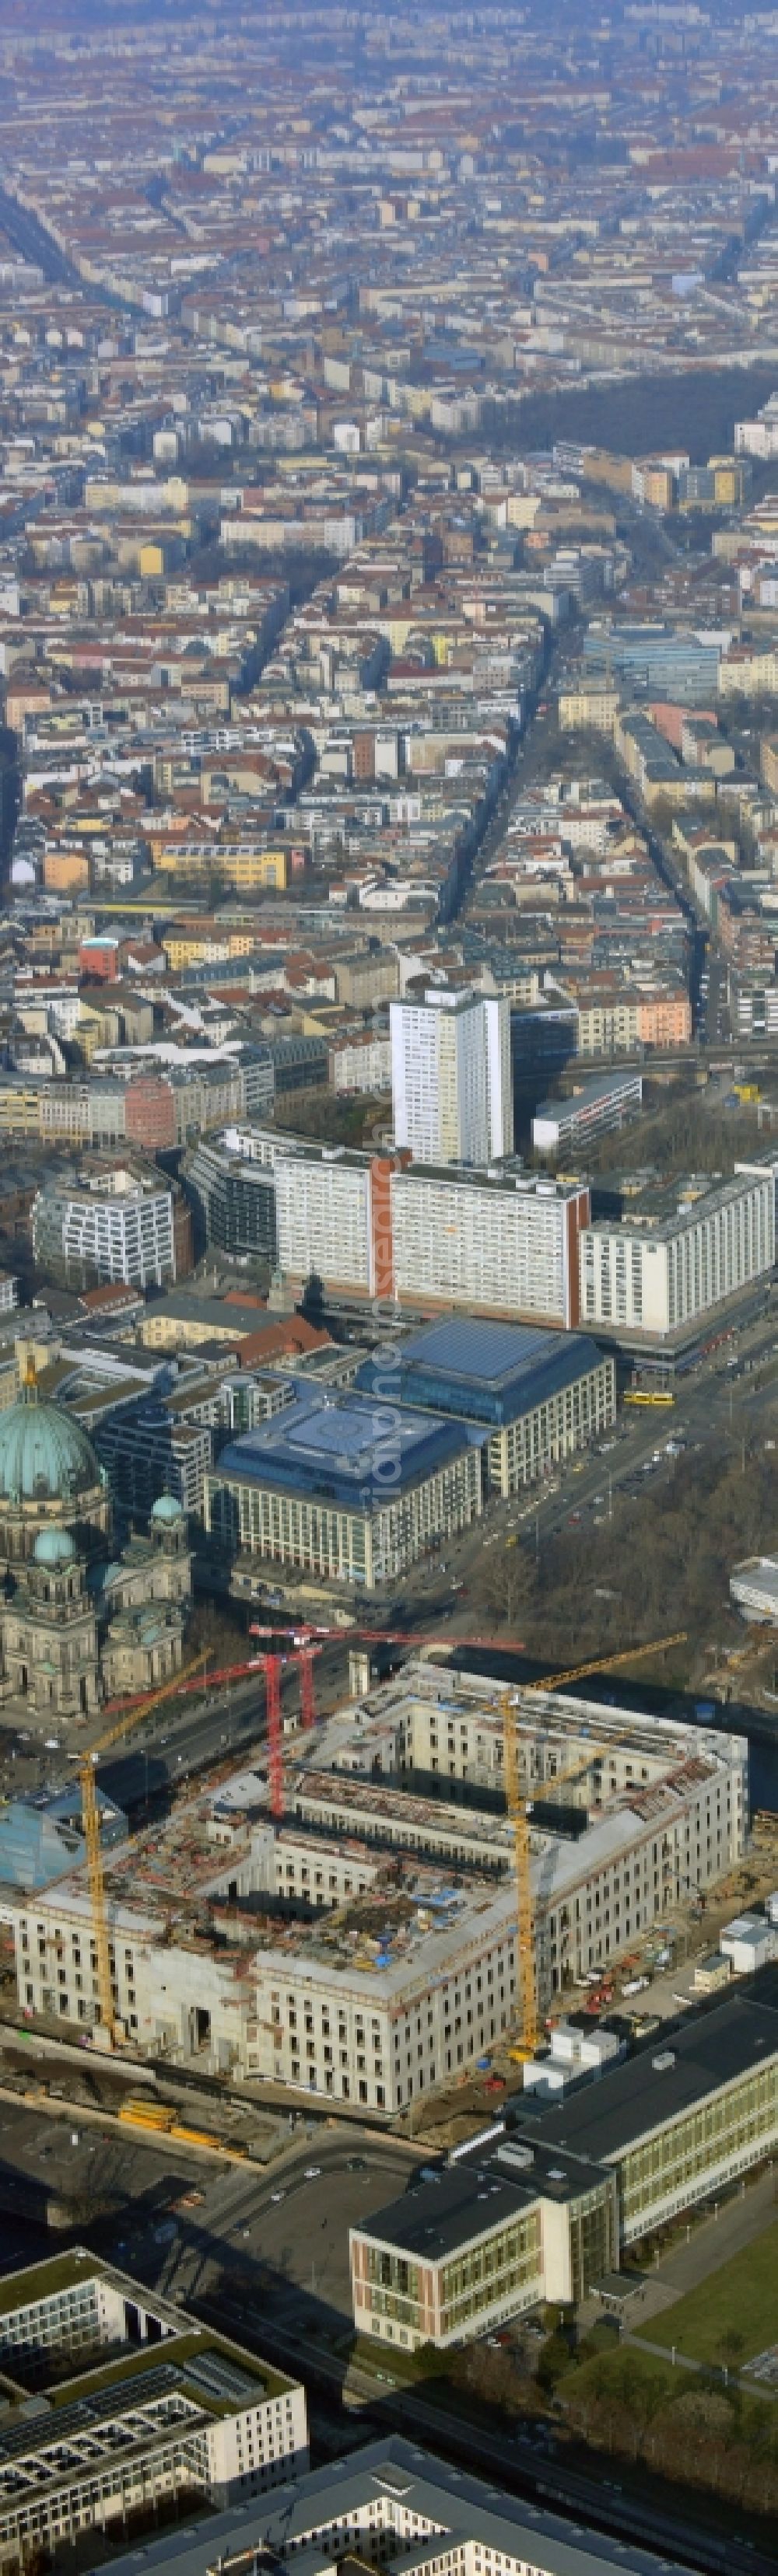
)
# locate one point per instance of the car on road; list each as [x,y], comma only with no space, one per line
[278,2195]
[356,2164]
[311,2172]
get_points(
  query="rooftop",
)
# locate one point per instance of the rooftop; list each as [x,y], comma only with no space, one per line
[440,2500]
[335,1446]
[592,2128]
[489,1372]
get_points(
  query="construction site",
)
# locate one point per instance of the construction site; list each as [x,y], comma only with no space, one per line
[391,1898]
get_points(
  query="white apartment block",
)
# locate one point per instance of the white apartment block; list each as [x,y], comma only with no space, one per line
[451,1077]
[656,1279]
[324,1217]
[492,1241]
[501,1245]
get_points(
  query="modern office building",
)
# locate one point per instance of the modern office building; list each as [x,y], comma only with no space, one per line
[337,1485]
[451,1077]
[594,1109]
[179,2412]
[160,1445]
[654,659]
[115,1224]
[660,1277]
[394,2506]
[233,1202]
[543,2208]
[538,1395]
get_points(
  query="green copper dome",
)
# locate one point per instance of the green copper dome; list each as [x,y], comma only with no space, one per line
[45,1456]
[54,1547]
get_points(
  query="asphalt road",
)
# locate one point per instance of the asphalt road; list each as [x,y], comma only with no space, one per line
[276,2231]
[282,2234]
[715,1408]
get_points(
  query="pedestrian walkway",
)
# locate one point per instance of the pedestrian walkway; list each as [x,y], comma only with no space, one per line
[730,2377]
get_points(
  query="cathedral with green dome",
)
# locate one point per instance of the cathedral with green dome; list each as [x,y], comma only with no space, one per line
[76,1628]
[48,1474]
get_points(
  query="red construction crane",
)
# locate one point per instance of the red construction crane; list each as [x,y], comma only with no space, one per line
[275,1769]
[306,1657]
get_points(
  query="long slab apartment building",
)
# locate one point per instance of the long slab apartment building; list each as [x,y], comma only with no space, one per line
[659,1272]
[493,1240]
[499,1241]
[394,1978]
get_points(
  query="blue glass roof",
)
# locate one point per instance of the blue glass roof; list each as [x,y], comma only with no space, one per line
[484,1372]
[351,1449]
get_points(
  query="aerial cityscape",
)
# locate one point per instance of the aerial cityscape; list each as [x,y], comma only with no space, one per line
[388,1288]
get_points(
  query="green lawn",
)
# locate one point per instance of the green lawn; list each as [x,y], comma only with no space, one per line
[740,2299]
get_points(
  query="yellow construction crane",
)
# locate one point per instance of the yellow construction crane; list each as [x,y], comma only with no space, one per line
[91,1822]
[520,1808]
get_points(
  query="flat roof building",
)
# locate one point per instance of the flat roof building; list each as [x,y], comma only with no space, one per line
[538,1394]
[335,1487]
[657,1277]
[543,2208]
[451,1076]
[498,1240]
[180,2412]
[594,1109]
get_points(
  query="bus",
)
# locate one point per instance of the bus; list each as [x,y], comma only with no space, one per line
[646,1395]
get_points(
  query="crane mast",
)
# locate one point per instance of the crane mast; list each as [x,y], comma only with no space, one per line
[520,1804]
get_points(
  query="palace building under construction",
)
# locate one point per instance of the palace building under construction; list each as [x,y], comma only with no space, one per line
[362,1943]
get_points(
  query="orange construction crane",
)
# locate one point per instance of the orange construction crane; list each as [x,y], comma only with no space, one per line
[91,1821]
[520,1809]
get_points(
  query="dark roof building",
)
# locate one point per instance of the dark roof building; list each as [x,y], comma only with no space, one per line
[529,2212]
[538,1394]
[354,1488]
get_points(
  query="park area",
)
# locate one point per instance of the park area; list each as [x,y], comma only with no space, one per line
[732,2316]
